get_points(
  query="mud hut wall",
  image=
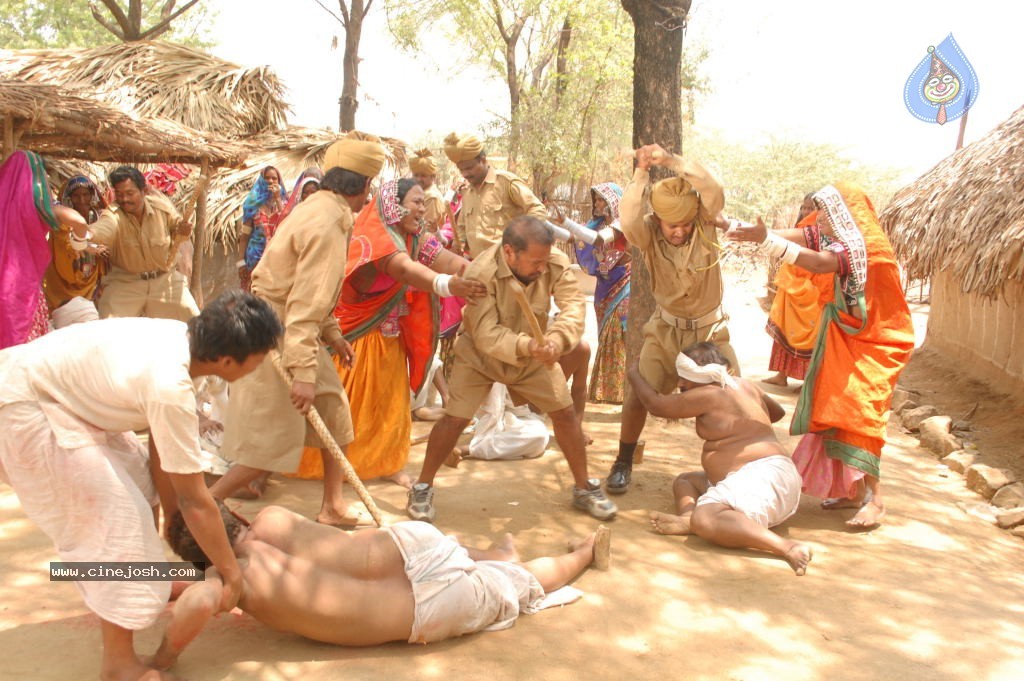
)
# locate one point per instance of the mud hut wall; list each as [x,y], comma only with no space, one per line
[984,336]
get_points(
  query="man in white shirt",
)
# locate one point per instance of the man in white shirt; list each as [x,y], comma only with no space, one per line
[65,401]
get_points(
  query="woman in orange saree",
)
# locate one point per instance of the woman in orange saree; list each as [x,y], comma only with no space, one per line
[863,342]
[389,312]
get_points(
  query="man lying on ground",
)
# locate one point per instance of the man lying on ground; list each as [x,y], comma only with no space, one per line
[749,483]
[406,582]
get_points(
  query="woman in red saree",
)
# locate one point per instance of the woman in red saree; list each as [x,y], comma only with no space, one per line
[389,312]
[863,342]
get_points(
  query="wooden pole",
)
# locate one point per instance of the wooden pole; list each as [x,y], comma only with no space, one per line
[8,136]
[332,445]
[963,126]
[198,235]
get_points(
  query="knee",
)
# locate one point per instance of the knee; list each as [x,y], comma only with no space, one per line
[701,521]
[563,417]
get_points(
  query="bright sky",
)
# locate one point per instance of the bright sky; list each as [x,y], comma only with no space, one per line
[824,72]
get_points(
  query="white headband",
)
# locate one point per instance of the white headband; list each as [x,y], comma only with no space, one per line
[709,373]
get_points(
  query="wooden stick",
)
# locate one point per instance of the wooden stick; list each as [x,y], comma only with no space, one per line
[332,445]
[172,255]
[535,330]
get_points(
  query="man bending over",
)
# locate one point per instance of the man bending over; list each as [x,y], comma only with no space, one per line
[406,582]
[749,483]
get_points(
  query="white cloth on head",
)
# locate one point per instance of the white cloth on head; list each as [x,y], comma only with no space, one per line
[91,492]
[708,373]
[75,311]
[505,431]
[454,594]
[765,490]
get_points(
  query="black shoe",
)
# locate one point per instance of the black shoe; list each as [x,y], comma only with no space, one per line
[618,480]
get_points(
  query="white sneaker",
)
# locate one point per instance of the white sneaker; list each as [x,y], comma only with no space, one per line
[421,502]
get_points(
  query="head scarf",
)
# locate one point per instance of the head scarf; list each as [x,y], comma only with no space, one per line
[423,163]
[259,195]
[675,201]
[837,205]
[611,193]
[391,211]
[708,373]
[77,182]
[358,152]
[75,311]
[464,148]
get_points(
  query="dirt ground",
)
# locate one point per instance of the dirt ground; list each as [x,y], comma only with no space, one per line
[932,594]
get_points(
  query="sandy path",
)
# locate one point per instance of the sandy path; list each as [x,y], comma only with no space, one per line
[933,594]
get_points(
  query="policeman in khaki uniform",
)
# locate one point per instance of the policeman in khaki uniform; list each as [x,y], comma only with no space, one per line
[492,198]
[496,346]
[679,245]
[140,232]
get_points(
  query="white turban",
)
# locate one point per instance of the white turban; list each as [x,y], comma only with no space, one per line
[76,310]
[708,373]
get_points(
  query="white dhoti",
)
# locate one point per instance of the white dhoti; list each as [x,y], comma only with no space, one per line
[454,594]
[765,490]
[91,492]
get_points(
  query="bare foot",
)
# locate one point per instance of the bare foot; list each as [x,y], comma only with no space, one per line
[667,523]
[798,556]
[351,518]
[254,490]
[870,515]
[585,542]
[838,503]
[506,548]
[779,379]
[401,478]
[587,440]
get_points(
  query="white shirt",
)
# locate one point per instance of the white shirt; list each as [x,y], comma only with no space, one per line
[112,375]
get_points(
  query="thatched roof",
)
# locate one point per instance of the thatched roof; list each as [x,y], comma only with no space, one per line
[291,151]
[966,215]
[161,80]
[54,121]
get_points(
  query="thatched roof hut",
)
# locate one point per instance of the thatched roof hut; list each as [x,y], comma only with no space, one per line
[161,80]
[966,215]
[961,225]
[58,122]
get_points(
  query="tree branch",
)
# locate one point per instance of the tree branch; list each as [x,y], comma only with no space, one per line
[344,13]
[165,24]
[104,23]
[168,7]
[119,17]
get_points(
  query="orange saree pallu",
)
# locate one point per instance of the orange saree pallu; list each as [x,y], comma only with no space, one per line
[863,342]
[393,331]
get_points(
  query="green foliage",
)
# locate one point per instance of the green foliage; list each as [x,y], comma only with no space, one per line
[771,180]
[69,23]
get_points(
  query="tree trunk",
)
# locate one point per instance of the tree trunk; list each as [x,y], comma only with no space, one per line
[657,118]
[353,22]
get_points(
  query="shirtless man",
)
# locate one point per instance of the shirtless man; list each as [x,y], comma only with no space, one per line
[749,483]
[405,582]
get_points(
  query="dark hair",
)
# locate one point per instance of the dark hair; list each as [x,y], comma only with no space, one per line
[706,353]
[263,174]
[344,182]
[404,185]
[236,325]
[132,173]
[179,536]
[525,230]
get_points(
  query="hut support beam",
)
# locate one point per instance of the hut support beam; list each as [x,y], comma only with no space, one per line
[199,236]
[8,136]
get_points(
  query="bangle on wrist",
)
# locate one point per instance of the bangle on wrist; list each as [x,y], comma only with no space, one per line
[779,247]
[441,285]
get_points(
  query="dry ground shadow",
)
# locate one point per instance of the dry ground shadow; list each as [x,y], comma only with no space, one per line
[933,594]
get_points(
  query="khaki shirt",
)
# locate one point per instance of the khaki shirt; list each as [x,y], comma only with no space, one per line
[686,280]
[135,246]
[495,323]
[487,209]
[437,208]
[300,274]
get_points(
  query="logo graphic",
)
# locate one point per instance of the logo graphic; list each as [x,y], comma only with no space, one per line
[943,86]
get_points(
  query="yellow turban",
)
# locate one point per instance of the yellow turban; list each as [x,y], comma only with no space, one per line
[675,201]
[423,163]
[357,151]
[462,148]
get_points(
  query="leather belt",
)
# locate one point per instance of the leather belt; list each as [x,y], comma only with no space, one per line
[713,317]
[146,276]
